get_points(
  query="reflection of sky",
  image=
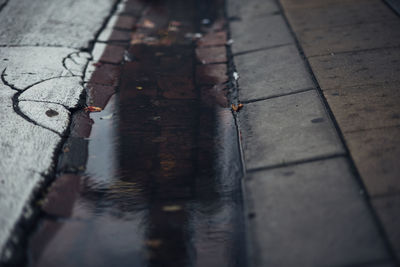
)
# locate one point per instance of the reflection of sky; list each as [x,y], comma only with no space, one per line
[101,166]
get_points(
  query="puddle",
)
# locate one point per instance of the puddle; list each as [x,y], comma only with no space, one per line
[159,175]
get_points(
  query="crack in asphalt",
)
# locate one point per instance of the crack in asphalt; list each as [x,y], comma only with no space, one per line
[18,111]
[42,101]
[15,101]
[6,83]
[38,45]
[71,57]
[3,5]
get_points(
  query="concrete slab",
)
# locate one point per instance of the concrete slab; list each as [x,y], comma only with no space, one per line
[350,38]
[365,106]
[350,69]
[25,66]
[311,215]
[48,115]
[287,129]
[376,154]
[26,153]
[252,8]
[388,210]
[64,91]
[340,13]
[47,23]
[258,33]
[272,72]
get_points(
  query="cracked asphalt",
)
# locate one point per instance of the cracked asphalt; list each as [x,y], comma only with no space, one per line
[44,51]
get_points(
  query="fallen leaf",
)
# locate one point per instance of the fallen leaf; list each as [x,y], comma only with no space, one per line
[93,109]
[236,108]
[175,23]
[97,64]
[172,208]
[148,24]
[154,243]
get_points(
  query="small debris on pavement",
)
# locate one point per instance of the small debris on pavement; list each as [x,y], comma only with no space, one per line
[205,21]
[139,87]
[148,24]
[236,108]
[154,243]
[230,42]
[193,36]
[107,117]
[93,109]
[51,113]
[127,56]
[97,64]
[235,76]
[172,208]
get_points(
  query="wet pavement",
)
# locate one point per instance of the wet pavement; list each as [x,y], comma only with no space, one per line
[153,179]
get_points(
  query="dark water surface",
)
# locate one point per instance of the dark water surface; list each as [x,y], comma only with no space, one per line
[161,186]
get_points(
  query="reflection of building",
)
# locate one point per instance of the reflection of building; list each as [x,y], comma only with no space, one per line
[175,187]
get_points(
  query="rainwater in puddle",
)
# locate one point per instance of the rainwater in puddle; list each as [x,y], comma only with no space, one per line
[161,186]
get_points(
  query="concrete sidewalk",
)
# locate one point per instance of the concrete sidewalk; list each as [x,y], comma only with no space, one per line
[317,128]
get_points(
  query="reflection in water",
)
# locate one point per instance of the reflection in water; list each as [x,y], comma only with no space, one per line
[161,185]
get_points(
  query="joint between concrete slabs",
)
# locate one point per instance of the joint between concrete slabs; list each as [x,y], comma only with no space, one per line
[297,162]
[276,96]
[260,49]
[355,51]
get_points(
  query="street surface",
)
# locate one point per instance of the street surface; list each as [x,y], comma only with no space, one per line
[206,133]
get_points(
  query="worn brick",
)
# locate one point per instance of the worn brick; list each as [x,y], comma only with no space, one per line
[365,106]
[213,39]
[125,22]
[105,74]
[350,69]
[107,53]
[98,95]
[62,196]
[207,55]
[350,38]
[388,210]
[114,35]
[177,87]
[81,124]
[272,72]
[287,129]
[376,153]
[215,95]
[211,74]
[311,215]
